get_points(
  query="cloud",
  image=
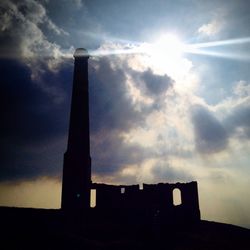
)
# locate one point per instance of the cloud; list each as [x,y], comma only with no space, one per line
[157,88]
[217,24]
[235,111]
[110,103]
[163,172]
[238,122]
[111,153]
[23,38]
[156,84]
[31,120]
[124,135]
[22,35]
[211,29]
[112,114]
[242,89]
[210,135]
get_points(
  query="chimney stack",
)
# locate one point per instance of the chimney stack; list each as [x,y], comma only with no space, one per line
[77,160]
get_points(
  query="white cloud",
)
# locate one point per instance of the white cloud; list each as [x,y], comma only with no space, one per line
[242,88]
[23,39]
[21,24]
[212,28]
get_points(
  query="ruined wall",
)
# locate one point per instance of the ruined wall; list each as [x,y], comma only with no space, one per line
[151,200]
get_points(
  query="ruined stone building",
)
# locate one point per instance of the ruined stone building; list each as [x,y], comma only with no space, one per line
[113,200]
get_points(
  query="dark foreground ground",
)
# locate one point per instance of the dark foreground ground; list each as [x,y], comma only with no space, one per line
[23,228]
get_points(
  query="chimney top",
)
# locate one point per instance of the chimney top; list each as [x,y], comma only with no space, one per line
[81,52]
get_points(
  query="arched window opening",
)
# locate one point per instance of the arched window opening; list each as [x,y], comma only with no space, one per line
[93,198]
[123,190]
[177,197]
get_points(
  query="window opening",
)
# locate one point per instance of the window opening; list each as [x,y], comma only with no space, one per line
[93,198]
[177,197]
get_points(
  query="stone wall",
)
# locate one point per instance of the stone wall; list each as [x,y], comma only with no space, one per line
[153,200]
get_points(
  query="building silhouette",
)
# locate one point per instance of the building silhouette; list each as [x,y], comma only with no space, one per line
[77,161]
[122,202]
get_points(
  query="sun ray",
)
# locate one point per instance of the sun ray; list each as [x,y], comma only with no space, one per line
[204,49]
[169,46]
[220,43]
[227,55]
[111,51]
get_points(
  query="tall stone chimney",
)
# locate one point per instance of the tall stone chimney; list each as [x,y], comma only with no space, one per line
[77,162]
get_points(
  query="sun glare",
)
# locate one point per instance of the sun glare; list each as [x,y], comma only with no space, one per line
[167,45]
[166,55]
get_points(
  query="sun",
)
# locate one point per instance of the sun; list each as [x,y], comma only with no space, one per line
[168,46]
[166,55]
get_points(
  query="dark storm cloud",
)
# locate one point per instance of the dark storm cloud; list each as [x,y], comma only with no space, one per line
[210,135]
[156,84]
[112,113]
[110,104]
[30,119]
[153,86]
[34,103]
[25,107]
[111,153]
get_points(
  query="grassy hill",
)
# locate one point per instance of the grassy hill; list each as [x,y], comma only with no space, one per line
[23,228]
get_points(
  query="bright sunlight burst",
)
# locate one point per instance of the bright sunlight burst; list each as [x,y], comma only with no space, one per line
[171,48]
[168,45]
[166,56]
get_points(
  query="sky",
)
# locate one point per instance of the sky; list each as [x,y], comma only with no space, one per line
[169,97]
